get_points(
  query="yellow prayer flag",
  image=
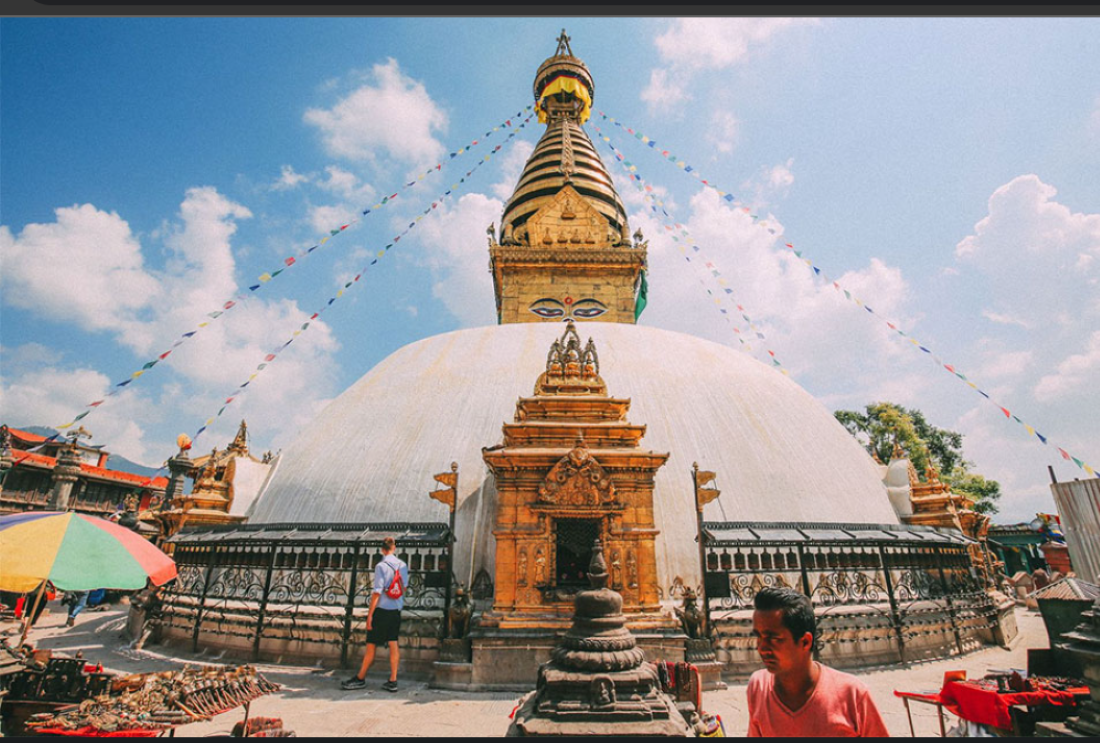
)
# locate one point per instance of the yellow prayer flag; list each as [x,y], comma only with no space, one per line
[1091,472]
[1029,428]
[264,278]
[323,241]
[137,374]
[381,253]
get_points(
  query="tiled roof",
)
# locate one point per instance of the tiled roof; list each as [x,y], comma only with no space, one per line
[27,436]
[1068,589]
[159,483]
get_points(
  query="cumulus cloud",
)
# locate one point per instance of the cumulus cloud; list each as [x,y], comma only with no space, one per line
[457,262]
[92,254]
[1036,259]
[391,114]
[48,395]
[288,179]
[1074,373]
[722,132]
[695,44]
[815,333]
[145,310]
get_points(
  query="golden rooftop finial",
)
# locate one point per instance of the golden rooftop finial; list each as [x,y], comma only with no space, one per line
[564,49]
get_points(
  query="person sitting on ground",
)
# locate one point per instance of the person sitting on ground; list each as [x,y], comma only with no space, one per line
[391,576]
[794,695]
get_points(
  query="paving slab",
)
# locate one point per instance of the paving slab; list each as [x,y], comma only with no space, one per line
[312,703]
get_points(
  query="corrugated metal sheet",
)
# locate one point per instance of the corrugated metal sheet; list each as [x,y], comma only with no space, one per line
[1079,506]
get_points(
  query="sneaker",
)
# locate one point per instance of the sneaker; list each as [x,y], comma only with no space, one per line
[71,622]
[353,683]
[390,686]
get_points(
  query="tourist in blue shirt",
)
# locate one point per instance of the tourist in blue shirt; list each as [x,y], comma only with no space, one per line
[391,576]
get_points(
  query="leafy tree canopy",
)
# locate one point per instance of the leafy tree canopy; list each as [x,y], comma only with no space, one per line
[883,424]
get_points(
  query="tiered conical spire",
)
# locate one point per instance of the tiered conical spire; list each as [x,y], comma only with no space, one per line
[564,92]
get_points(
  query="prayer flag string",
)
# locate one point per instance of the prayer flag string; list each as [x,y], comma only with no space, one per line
[271,357]
[287,263]
[676,231]
[817,271]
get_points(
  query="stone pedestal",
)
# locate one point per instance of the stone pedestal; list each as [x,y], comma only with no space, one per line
[454,651]
[597,681]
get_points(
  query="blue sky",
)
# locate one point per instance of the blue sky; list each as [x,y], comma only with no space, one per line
[944,170]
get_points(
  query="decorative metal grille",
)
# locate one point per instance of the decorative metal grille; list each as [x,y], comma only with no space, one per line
[912,581]
[310,584]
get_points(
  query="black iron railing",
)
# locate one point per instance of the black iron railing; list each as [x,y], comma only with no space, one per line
[910,581]
[301,583]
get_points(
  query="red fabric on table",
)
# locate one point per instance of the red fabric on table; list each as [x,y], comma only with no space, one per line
[987,707]
[91,732]
[932,697]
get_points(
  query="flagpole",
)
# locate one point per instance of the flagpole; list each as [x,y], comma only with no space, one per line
[29,617]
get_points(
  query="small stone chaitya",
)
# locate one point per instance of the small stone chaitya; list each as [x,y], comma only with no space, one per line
[598,681]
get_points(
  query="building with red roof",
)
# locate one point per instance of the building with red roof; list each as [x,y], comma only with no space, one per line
[32,479]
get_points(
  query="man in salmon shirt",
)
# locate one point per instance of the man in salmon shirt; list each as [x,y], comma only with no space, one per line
[794,695]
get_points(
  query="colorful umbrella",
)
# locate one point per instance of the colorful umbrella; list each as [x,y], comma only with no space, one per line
[76,553]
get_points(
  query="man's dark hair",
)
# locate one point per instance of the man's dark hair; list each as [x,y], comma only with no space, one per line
[798,612]
[388,544]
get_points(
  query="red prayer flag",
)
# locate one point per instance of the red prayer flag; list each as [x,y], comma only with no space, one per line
[269,357]
[1007,414]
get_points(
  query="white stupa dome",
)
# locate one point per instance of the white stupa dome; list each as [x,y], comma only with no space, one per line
[370,455]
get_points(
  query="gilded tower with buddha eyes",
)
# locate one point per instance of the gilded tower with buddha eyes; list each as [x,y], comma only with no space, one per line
[564,250]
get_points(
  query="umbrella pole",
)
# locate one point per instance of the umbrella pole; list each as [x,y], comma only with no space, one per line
[30,617]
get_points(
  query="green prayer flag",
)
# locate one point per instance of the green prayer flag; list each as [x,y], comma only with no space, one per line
[640,302]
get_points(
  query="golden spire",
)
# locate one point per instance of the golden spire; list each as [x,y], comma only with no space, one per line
[565,251]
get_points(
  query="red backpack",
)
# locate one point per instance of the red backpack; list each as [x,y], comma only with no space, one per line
[396,588]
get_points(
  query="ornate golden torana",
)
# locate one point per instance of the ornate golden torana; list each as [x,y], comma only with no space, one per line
[565,249]
[570,464]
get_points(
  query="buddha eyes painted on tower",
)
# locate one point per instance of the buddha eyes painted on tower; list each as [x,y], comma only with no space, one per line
[570,309]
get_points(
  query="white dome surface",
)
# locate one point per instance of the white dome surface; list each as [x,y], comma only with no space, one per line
[370,455]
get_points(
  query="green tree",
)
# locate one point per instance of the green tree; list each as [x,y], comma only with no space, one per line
[985,493]
[880,425]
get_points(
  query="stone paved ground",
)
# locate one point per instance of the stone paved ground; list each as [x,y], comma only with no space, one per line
[312,702]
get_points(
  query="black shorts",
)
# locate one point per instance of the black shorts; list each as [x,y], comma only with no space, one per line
[385,626]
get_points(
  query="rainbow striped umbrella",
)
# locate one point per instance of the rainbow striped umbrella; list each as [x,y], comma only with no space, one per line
[77,553]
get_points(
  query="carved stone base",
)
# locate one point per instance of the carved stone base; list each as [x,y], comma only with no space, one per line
[620,703]
[454,651]
[698,651]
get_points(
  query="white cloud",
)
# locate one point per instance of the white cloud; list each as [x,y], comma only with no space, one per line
[1034,261]
[723,131]
[147,310]
[289,179]
[694,44]
[1005,319]
[511,167]
[49,395]
[1074,373]
[86,267]
[458,262]
[816,334]
[780,176]
[665,90]
[391,114]
[1030,248]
